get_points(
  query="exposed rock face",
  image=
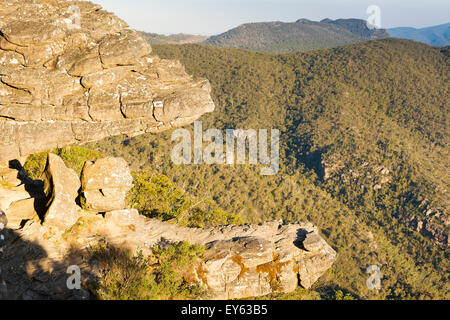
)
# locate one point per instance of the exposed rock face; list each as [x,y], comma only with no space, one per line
[9,178]
[239,262]
[429,228]
[61,187]
[11,195]
[254,266]
[63,83]
[432,224]
[19,201]
[21,211]
[105,183]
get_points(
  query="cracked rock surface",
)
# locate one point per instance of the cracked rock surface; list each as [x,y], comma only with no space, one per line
[63,84]
[240,261]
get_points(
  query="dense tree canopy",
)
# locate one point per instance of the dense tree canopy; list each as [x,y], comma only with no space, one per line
[374,114]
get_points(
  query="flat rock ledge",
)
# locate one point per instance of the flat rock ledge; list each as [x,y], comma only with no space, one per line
[47,232]
[239,261]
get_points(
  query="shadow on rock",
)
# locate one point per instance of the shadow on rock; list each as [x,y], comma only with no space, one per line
[30,274]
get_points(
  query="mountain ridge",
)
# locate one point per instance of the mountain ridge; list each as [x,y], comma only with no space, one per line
[435,35]
[180,38]
[351,31]
[302,35]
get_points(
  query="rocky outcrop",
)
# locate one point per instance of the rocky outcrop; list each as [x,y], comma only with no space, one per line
[61,186]
[104,184]
[254,266]
[431,227]
[19,198]
[432,223]
[71,72]
[239,261]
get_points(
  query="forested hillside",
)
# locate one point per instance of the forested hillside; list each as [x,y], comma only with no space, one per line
[364,155]
[302,35]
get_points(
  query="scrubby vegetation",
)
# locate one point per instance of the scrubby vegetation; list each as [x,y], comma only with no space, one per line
[73,157]
[381,104]
[125,276]
[364,144]
[155,196]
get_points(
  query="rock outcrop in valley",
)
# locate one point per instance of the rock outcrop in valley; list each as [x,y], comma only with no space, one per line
[239,261]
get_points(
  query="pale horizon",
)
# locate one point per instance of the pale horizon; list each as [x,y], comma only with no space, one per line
[210,17]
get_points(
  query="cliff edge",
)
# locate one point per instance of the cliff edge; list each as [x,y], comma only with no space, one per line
[71,73]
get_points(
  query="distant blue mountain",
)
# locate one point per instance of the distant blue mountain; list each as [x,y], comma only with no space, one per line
[438,36]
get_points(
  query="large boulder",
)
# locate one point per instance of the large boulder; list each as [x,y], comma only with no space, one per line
[21,198]
[239,261]
[9,195]
[63,84]
[61,186]
[105,183]
[254,266]
[23,210]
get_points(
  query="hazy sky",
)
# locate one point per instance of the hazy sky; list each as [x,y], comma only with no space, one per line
[216,16]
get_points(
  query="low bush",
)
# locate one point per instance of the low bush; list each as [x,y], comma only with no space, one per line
[156,196]
[124,276]
[73,157]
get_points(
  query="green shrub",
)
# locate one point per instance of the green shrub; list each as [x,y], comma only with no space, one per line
[134,277]
[173,263]
[156,196]
[35,165]
[73,157]
[339,295]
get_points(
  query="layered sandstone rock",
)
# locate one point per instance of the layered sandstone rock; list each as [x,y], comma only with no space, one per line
[61,186]
[432,223]
[254,266]
[239,261]
[64,83]
[19,201]
[105,183]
